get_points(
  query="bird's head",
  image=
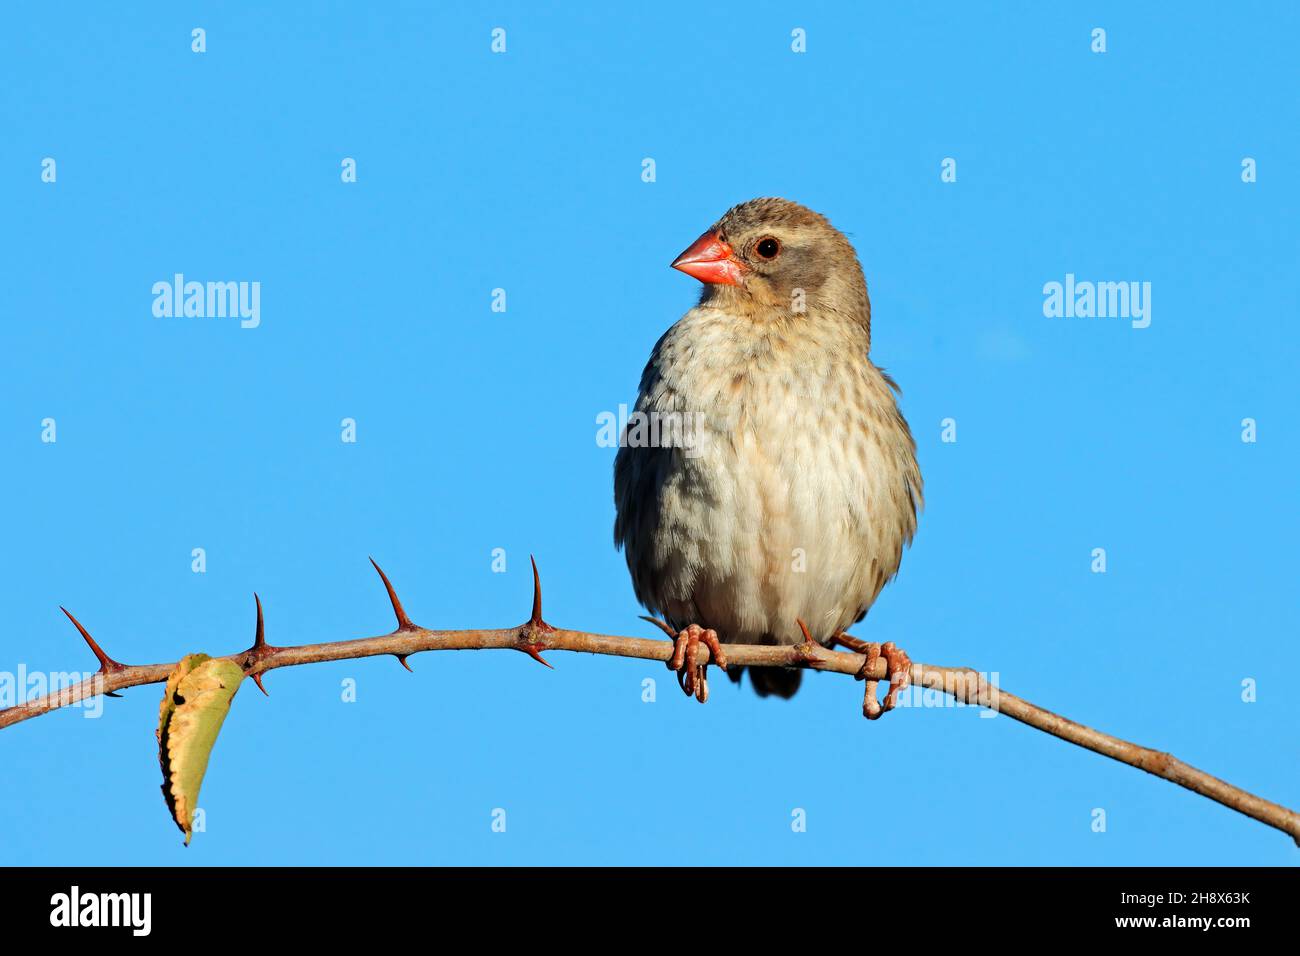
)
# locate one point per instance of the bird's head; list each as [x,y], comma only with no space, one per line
[772,257]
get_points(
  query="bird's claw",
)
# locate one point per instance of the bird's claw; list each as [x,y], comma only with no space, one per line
[691,673]
[898,671]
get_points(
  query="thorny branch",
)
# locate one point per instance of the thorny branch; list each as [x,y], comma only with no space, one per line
[535,636]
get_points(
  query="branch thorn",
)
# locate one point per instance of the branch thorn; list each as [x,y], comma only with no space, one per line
[260,649]
[807,652]
[662,625]
[535,652]
[536,619]
[403,622]
[401,659]
[807,638]
[259,637]
[528,640]
[106,664]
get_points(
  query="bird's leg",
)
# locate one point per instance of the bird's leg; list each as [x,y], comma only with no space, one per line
[898,668]
[691,674]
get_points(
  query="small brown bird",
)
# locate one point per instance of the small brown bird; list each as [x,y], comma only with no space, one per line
[767,478]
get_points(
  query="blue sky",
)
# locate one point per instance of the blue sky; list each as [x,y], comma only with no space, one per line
[476,429]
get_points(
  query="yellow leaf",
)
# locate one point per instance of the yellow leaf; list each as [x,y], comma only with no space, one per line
[194,706]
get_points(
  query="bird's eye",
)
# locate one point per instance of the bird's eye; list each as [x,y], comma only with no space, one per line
[768,247]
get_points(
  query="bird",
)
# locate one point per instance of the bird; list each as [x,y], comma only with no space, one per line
[767,483]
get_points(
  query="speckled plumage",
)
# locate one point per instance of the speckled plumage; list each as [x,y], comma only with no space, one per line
[804,489]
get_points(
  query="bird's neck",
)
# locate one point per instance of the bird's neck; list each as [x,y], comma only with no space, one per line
[833,317]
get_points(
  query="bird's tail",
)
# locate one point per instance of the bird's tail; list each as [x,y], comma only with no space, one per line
[768,681]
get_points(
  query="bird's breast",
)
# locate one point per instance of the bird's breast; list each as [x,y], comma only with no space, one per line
[796,498]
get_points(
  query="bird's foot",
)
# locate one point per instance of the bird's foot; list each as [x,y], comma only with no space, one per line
[691,671]
[898,671]
[692,674]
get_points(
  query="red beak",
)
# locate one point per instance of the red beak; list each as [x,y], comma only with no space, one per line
[709,259]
